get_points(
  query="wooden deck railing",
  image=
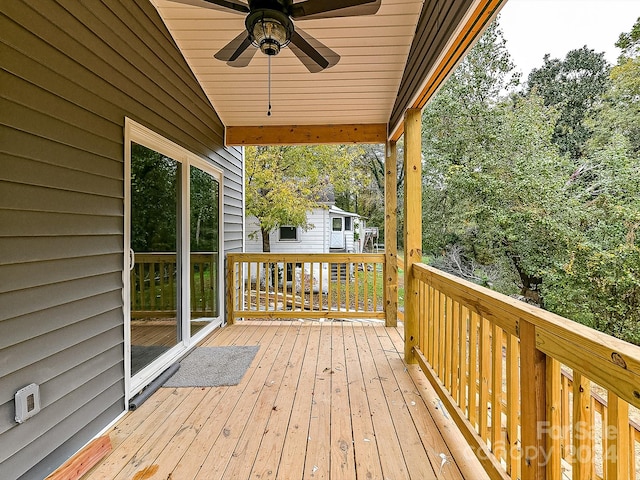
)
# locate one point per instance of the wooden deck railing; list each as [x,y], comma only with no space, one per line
[269,285]
[153,285]
[526,387]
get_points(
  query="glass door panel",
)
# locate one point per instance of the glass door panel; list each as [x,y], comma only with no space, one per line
[155,277]
[204,248]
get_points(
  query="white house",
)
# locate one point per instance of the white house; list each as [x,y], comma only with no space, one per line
[331,230]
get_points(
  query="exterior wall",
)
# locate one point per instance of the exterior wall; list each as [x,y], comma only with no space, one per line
[71,72]
[314,240]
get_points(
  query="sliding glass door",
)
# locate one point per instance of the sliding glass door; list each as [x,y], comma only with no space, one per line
[174,281]
[204,244]
[155,233]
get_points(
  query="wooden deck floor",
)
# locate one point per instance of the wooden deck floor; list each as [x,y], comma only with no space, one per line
[326,400]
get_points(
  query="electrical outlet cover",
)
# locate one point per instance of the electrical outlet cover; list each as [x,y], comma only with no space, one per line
[27,402]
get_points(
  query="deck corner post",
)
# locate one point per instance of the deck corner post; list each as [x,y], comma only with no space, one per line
[390,236]
[412,226]
[533,386]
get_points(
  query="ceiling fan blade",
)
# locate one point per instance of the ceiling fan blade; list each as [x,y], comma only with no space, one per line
[311,9]
[234,50]
[243,59]
[312,53]
[223,5]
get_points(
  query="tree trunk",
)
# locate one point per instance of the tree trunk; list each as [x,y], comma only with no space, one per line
[266,240]
[530,284]
[266,248]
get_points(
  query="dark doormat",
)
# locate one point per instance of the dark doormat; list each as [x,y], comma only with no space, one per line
[143,355]
[213,366]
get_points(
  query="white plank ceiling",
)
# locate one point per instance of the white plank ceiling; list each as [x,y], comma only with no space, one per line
[360,89]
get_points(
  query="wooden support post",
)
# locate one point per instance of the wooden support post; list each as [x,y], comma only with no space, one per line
[390,236]
[533,381]
[412,226]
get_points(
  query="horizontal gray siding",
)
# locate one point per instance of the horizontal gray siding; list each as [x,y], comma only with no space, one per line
[71,72]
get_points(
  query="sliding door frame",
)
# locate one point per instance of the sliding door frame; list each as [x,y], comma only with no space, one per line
[135,132]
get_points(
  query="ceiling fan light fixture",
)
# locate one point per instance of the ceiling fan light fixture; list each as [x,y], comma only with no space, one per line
[269,30]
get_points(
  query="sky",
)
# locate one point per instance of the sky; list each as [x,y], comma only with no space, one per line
[535,27]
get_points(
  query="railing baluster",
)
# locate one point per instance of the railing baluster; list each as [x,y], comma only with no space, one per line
[455,352]
[431,319]
[634,437]
[161,267]
[513,404]
[448,343]
[554,421]
[203,290]
[582,466]
[473,369]
[565,418]
[485,376]
[497,445]
[375,287]
[423,311]
[437,304]
[366,286]
[347,286]
[464,361]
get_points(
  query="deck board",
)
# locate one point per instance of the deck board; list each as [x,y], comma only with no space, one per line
[321,400]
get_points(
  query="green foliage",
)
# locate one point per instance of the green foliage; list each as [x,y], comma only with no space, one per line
[572,86]
[205,212]
[504,205]
[493,181]
[629,42]
[154,200]
[284,183]
[600,285]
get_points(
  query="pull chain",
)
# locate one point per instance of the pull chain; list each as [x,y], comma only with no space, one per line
[269,87]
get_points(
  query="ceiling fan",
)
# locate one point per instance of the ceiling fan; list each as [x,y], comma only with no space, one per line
[270,28]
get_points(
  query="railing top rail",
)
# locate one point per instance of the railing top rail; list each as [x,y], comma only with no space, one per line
[582,346]
[307,257]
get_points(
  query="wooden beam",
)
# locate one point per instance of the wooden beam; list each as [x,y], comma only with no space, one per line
[412,226]
[390,235]
[305,134]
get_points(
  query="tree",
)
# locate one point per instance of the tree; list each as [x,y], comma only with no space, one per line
[571,85]
[369,199]
[600,285]
[284,183]
[493,180]
[502,204]
[629,42]
[154,200]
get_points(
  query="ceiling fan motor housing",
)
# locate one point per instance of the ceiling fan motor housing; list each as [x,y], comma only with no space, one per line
[269,29]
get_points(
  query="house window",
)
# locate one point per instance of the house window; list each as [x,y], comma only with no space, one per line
[347,224]
[288,234]
[336,224]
